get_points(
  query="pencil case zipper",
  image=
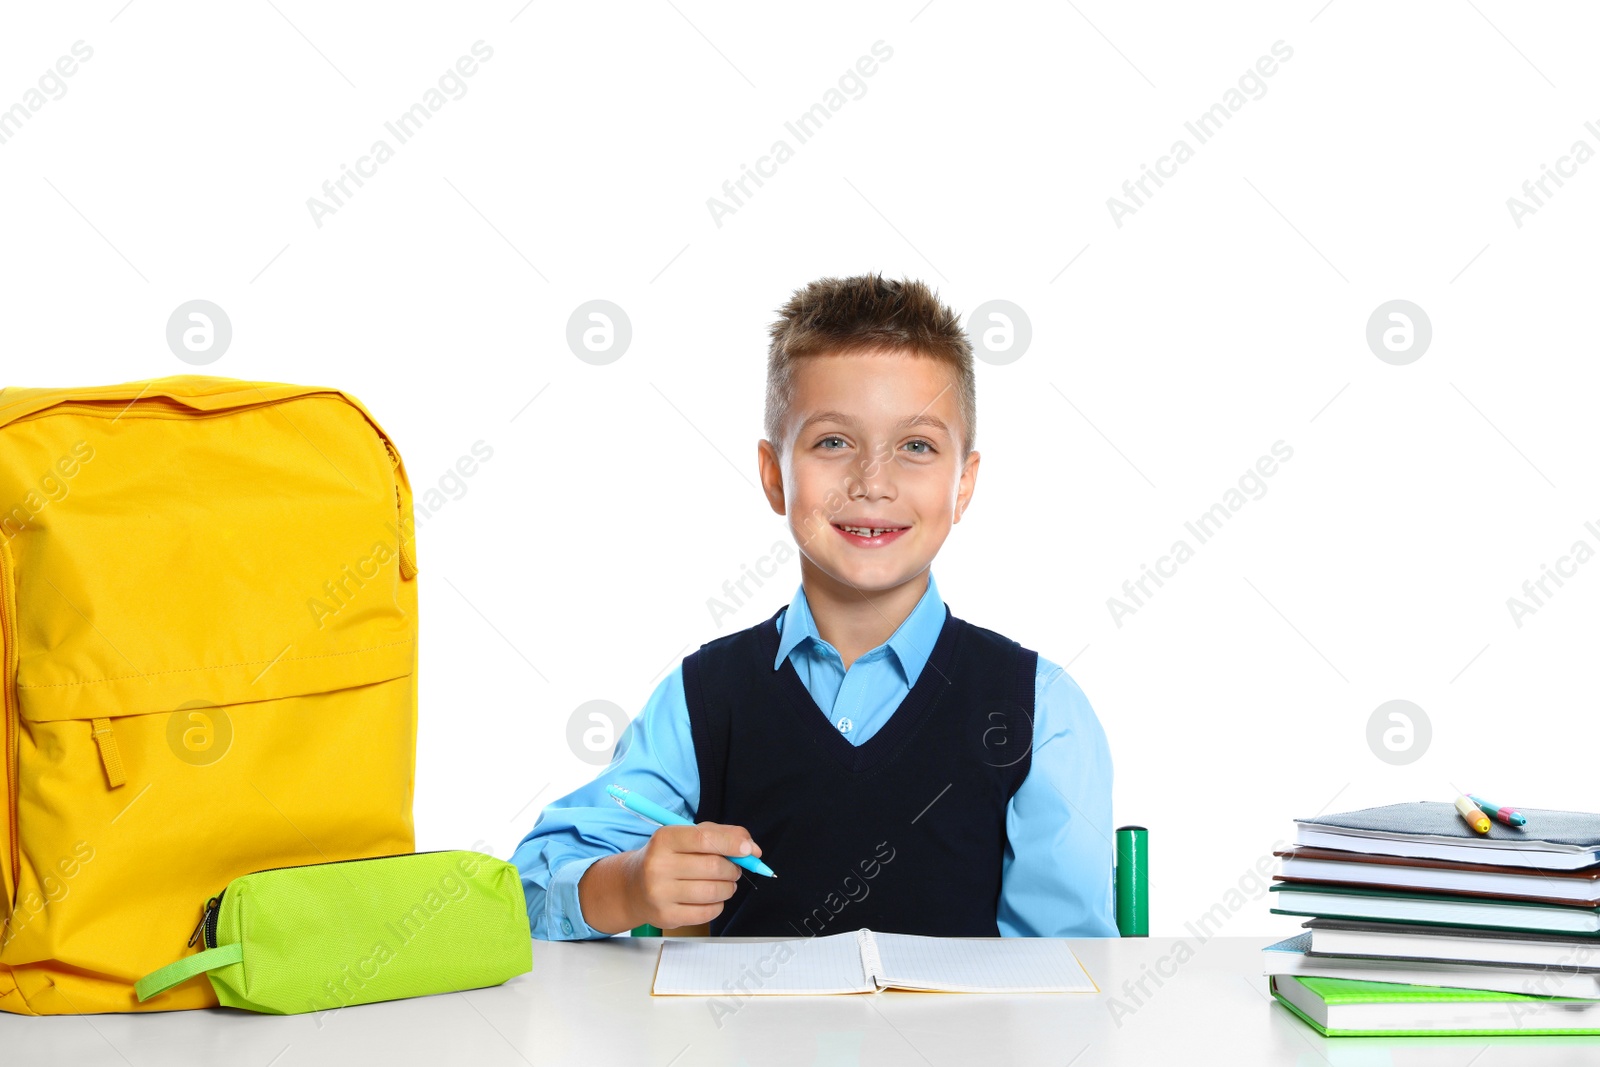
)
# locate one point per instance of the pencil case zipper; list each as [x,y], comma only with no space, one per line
[207,927]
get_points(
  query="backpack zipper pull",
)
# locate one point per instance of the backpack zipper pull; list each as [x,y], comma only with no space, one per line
[110,754]
[205,913]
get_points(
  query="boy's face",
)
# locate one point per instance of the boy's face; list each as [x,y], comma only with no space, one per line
[873,440]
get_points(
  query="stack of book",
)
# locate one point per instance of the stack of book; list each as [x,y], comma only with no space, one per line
[1417,924]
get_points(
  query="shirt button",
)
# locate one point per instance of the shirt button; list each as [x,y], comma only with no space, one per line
[566,927]
[845,725]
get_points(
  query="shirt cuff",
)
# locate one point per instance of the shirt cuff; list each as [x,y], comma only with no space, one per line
[562,908]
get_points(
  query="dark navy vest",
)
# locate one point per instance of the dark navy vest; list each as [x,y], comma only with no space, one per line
[904,833]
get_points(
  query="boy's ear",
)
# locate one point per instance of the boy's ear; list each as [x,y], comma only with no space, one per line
[969,482]
[771,474]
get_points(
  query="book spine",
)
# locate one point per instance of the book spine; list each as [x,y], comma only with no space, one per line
[871,965]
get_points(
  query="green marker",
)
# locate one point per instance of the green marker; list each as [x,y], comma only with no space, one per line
[1133,881]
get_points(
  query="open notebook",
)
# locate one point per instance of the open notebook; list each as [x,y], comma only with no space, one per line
[864,961]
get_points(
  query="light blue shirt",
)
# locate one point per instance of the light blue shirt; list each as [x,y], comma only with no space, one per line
[1055,879]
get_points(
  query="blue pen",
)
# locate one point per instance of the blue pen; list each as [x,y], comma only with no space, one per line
[655,812]
[1505,815]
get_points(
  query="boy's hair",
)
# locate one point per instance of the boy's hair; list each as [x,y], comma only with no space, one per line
[867,313]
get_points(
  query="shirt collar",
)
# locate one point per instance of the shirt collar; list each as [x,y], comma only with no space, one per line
[912,641]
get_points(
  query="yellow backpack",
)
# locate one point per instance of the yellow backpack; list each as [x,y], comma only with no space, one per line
[208,635]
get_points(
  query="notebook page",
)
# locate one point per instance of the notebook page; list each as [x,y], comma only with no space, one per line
[709,967]
[981,965]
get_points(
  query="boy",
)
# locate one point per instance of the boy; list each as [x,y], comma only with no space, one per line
[899,769]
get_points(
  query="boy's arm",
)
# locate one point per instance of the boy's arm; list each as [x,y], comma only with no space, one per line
[590,868]
[1055,880]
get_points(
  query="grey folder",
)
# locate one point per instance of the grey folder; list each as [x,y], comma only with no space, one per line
[1549,831]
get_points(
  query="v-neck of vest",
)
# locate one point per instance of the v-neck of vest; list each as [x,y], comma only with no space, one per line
[907,716]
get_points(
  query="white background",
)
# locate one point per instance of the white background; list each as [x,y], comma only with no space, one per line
[1227,314]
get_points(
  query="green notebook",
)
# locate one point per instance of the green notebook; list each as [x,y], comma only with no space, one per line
[1340,1007]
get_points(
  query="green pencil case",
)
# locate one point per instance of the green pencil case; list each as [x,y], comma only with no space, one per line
[323,936]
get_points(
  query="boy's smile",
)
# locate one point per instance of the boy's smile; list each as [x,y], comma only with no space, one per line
[870,473]
[869,535]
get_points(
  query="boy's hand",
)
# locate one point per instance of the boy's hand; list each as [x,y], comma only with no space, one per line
[681,877]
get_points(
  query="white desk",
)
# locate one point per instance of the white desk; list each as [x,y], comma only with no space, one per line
[590,1004]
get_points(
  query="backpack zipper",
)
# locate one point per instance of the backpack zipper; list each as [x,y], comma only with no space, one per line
[8,650]
[213,907]
[408,559]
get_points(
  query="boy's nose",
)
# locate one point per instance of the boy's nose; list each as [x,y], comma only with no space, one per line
[871,475]
[868,482]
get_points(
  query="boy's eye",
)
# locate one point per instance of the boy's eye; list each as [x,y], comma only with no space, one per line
[830,437]
[925,449]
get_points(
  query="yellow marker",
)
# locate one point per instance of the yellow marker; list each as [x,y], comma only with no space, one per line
[1475,818]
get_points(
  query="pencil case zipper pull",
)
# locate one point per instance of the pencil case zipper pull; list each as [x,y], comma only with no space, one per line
[207,927]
